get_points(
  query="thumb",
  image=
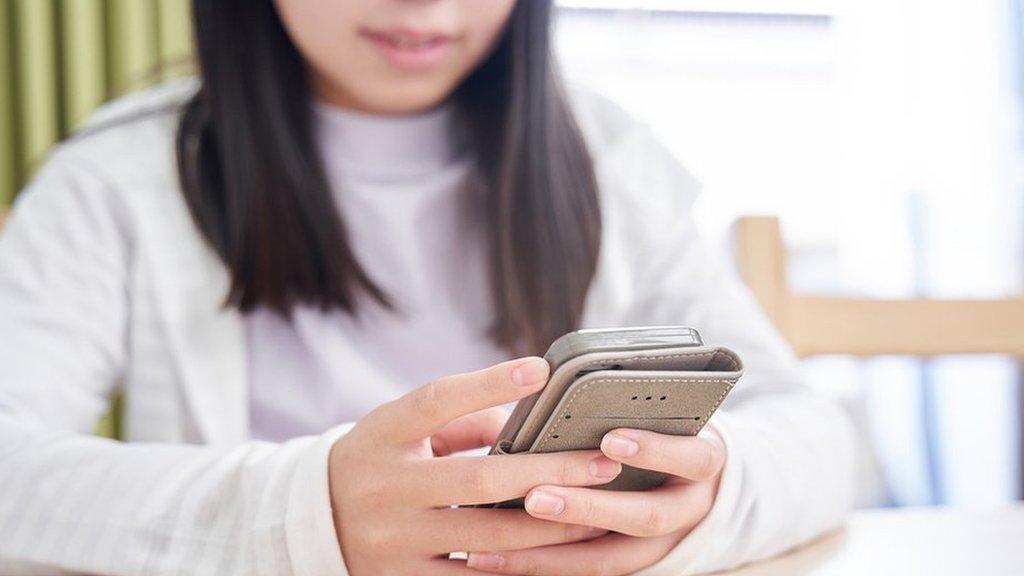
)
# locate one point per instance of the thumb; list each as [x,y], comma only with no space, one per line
[468,432]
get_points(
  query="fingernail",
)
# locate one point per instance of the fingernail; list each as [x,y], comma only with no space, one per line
[602,467]
[616,445]
[530,372]
[545,504]
[593,532]
[485,561]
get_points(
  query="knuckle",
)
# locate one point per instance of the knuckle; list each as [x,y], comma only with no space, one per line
[567,472]
[656,522]
[481,480]
[428,401]
[365,429]
[496,377]
[379,424]
[604,567]
[524,565]
[502,533]
[462,532]
[379,540]
[586,509]
[364,493]
[353,487]
[374,495]
[574,532]
[709,461]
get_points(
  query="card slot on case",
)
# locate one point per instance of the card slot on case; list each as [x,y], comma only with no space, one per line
[677,403]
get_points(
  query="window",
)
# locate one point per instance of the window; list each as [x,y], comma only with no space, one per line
[886,134]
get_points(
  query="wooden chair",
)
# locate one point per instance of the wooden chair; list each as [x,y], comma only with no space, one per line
[863,327]
[816,325]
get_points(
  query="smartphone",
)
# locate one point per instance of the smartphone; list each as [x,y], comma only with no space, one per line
[659,378]
[596,340]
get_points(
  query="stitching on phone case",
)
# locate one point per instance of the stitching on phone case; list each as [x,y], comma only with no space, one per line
[576,394]
[732,361]
[566,409]
[721,398]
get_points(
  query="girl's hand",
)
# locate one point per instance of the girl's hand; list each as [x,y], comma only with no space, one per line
[392,483]
[645,525]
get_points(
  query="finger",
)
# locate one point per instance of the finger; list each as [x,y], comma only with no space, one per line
[651,513]
[467,529]
[612,554]
[426,410]
[487,479]
[692,457]
[472,431]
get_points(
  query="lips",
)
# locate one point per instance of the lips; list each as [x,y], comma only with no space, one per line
[410,49]
[408,39]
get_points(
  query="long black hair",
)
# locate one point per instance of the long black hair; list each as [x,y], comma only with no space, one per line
[259,195]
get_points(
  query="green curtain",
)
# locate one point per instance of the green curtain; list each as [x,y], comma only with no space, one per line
[60,59]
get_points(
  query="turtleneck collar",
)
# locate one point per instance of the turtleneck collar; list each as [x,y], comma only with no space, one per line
[387,147]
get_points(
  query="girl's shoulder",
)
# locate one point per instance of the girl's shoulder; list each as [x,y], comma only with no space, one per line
[136,108]
[119,170]
[131,139]
[637,174]
[605,124]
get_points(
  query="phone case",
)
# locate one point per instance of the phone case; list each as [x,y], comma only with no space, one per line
[669,390]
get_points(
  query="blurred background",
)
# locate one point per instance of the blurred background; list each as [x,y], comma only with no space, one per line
[886,135]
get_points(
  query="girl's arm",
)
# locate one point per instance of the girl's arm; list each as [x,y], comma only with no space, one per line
[71,502]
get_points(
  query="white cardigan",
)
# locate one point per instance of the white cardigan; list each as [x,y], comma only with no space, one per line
[190,492]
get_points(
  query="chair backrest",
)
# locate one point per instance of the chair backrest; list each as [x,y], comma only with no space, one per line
[864,327]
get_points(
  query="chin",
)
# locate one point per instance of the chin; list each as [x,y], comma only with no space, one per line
[401,98]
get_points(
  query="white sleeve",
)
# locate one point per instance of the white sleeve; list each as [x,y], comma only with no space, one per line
[72,503]
[790,452]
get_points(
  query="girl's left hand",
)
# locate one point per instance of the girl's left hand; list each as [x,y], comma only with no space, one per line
[644,526]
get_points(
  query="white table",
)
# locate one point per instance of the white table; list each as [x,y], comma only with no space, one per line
[925,541]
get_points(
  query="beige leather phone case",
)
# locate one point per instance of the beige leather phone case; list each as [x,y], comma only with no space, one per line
[670,390]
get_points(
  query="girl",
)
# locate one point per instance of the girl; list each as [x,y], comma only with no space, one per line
[354,199]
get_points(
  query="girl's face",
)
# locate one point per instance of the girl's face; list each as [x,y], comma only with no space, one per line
[392,56]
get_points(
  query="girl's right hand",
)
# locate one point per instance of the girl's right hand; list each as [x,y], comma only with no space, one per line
[393,483]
